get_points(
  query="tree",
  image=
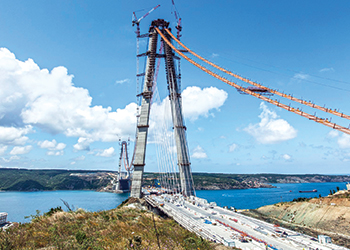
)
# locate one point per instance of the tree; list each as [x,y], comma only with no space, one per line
[338,189]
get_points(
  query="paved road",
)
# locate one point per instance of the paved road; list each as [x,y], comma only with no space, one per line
[193,216]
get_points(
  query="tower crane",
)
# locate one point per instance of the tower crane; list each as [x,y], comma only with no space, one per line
[137,21]
[178,21]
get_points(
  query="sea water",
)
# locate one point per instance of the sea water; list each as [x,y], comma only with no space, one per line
[18,205]
[21,204]
[254,198]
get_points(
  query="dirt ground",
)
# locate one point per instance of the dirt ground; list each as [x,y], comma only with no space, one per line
[329,215]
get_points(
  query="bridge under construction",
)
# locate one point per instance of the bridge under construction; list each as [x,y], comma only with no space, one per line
[168,51]
[176,197]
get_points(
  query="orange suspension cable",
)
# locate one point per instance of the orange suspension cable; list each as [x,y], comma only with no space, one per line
[264,98]
[310,104]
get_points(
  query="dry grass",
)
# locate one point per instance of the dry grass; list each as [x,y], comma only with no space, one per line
[120,228]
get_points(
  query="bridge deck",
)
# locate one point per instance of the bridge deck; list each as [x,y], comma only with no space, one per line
[230,228]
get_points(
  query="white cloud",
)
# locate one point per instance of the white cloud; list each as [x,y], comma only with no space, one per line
[31,97]
[13,135]
[271,129]
[344,141]
[287,157]
[79,158]
[196,102]
[300,76]
[21,150]
[122,81]
[233,147]
[213,55]
[199,153]
[327,70]
[50,101]
[83,144]
[61,146]
[55,153]
[52,145]
[47,144]
[3,149]
[12,158]
[109,152]
[199,102]
[333,134]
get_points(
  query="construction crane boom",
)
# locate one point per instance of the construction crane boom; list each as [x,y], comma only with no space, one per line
[178,21]
[137,21]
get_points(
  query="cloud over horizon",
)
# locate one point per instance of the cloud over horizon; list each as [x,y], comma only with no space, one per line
[199,153]
[270,129]
[31,97]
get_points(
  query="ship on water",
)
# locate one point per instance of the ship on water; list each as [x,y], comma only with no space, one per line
[308,191]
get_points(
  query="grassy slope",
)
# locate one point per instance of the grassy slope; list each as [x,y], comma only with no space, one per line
[121,228]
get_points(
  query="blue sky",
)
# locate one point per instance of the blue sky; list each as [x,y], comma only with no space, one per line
[68,85]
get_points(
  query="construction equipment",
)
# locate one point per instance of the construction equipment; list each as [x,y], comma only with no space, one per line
[137,21]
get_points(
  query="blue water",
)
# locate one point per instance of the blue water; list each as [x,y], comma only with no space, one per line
[254,198]
[21,204]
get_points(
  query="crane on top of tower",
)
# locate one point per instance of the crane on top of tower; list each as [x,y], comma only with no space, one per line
[137,21]
[178,21]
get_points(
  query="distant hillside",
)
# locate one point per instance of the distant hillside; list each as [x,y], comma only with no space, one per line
[215,181]
[33,180]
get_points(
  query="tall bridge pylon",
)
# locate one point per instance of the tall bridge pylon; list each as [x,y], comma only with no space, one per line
[183,156]
[123,183]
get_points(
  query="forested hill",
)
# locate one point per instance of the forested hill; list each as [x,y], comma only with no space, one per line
[34,180]
[214,181]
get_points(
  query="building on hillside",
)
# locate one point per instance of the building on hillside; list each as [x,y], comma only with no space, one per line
[348,186]
[3,218]
[324,239]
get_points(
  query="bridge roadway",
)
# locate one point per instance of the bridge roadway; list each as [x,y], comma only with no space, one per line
[231,228]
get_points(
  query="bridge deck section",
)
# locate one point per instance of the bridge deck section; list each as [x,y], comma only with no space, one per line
[230,228]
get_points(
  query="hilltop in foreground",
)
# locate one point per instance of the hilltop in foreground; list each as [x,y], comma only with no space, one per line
[329,215]
[127,227]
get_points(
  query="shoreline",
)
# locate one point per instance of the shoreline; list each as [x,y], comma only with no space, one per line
[203,189]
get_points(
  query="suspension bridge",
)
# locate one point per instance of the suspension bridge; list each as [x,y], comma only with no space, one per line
[176,197]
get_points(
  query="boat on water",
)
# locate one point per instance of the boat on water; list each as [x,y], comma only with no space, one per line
[308,191]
